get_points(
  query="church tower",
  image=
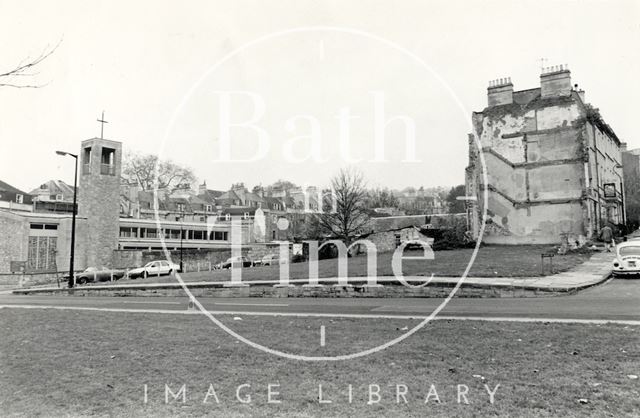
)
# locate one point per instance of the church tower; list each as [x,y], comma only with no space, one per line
[99,198]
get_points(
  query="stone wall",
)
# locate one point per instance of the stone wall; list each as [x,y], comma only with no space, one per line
[14,241]
[397,222]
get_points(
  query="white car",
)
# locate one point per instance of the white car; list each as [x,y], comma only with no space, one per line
[272,259]
[627,261]
[154,268]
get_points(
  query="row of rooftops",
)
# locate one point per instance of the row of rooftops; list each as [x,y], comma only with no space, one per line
[235,201]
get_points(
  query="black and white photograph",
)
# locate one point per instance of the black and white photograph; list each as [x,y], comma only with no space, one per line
[296,208]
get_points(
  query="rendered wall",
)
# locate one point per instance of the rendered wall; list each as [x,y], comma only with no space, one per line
[534,157]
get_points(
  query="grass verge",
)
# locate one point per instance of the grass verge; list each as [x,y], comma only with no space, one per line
[491,261]
[56,363]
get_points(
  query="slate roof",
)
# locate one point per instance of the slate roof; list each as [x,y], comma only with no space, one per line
[52,188]
[8,193]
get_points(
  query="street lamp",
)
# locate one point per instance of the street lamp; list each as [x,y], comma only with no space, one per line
[181,236]
[73,217]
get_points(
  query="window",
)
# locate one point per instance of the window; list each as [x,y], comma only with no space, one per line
[150,233]
[50,227]
[203,219]
[126,232]
[208,208]
[19,198]
[218,235]
[59,197]
[227,217]
[180,207]
[199,235]
[41,254]
[86,160]
[107,162]
[246,215]
[273,234]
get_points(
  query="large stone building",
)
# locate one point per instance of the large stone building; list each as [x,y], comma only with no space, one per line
[553,166]
[631,164]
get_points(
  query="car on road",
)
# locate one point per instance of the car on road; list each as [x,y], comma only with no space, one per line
[154,268]
[270,260]
[97,274]
[239,261]
[627,261]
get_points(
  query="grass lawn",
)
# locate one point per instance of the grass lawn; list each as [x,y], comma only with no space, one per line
[491,261]
[55,363]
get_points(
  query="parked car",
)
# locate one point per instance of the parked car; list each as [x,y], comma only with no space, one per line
[239,261]
[627,261]
[271,259]
[154,268]
[97,274]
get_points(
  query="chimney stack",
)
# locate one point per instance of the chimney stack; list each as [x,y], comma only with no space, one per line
[500,92]
[555,81]
[202,189]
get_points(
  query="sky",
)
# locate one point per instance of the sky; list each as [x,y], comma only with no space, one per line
[300,89]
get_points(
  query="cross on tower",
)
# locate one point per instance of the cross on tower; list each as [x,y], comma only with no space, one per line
[102,121]
[542,61]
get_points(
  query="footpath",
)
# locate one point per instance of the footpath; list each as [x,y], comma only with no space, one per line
[594,271]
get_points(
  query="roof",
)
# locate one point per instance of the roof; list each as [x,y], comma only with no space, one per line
[238,211]
[53,187]
[229,196]
[8,193]
[272,201]
[210,196]
[5,187]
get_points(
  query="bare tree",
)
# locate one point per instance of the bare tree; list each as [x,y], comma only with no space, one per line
[24,71]
[350,215]
[141,169]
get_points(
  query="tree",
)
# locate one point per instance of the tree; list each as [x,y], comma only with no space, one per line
[381,198]
[141,169]
[24,71]
[455,205]
[350,215]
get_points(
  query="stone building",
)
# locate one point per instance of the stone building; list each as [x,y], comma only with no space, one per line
[631,170]
[553,166]
[40,242]
[53,196]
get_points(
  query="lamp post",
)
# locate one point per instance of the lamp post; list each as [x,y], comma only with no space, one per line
[181,236]
[73,217]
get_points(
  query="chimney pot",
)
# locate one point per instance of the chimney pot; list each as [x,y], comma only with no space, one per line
[500,92]
[556,82]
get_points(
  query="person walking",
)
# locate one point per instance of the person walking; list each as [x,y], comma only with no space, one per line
[606,235]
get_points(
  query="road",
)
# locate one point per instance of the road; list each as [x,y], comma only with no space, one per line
[617,300]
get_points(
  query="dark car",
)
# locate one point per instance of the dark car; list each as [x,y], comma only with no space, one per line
[235,262]
[97,274]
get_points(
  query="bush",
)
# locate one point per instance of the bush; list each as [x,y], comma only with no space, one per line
[298,258]
[449,238]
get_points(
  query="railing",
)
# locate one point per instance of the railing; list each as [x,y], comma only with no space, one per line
[108,169]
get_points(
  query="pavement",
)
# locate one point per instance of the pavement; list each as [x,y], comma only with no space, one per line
[615,301]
